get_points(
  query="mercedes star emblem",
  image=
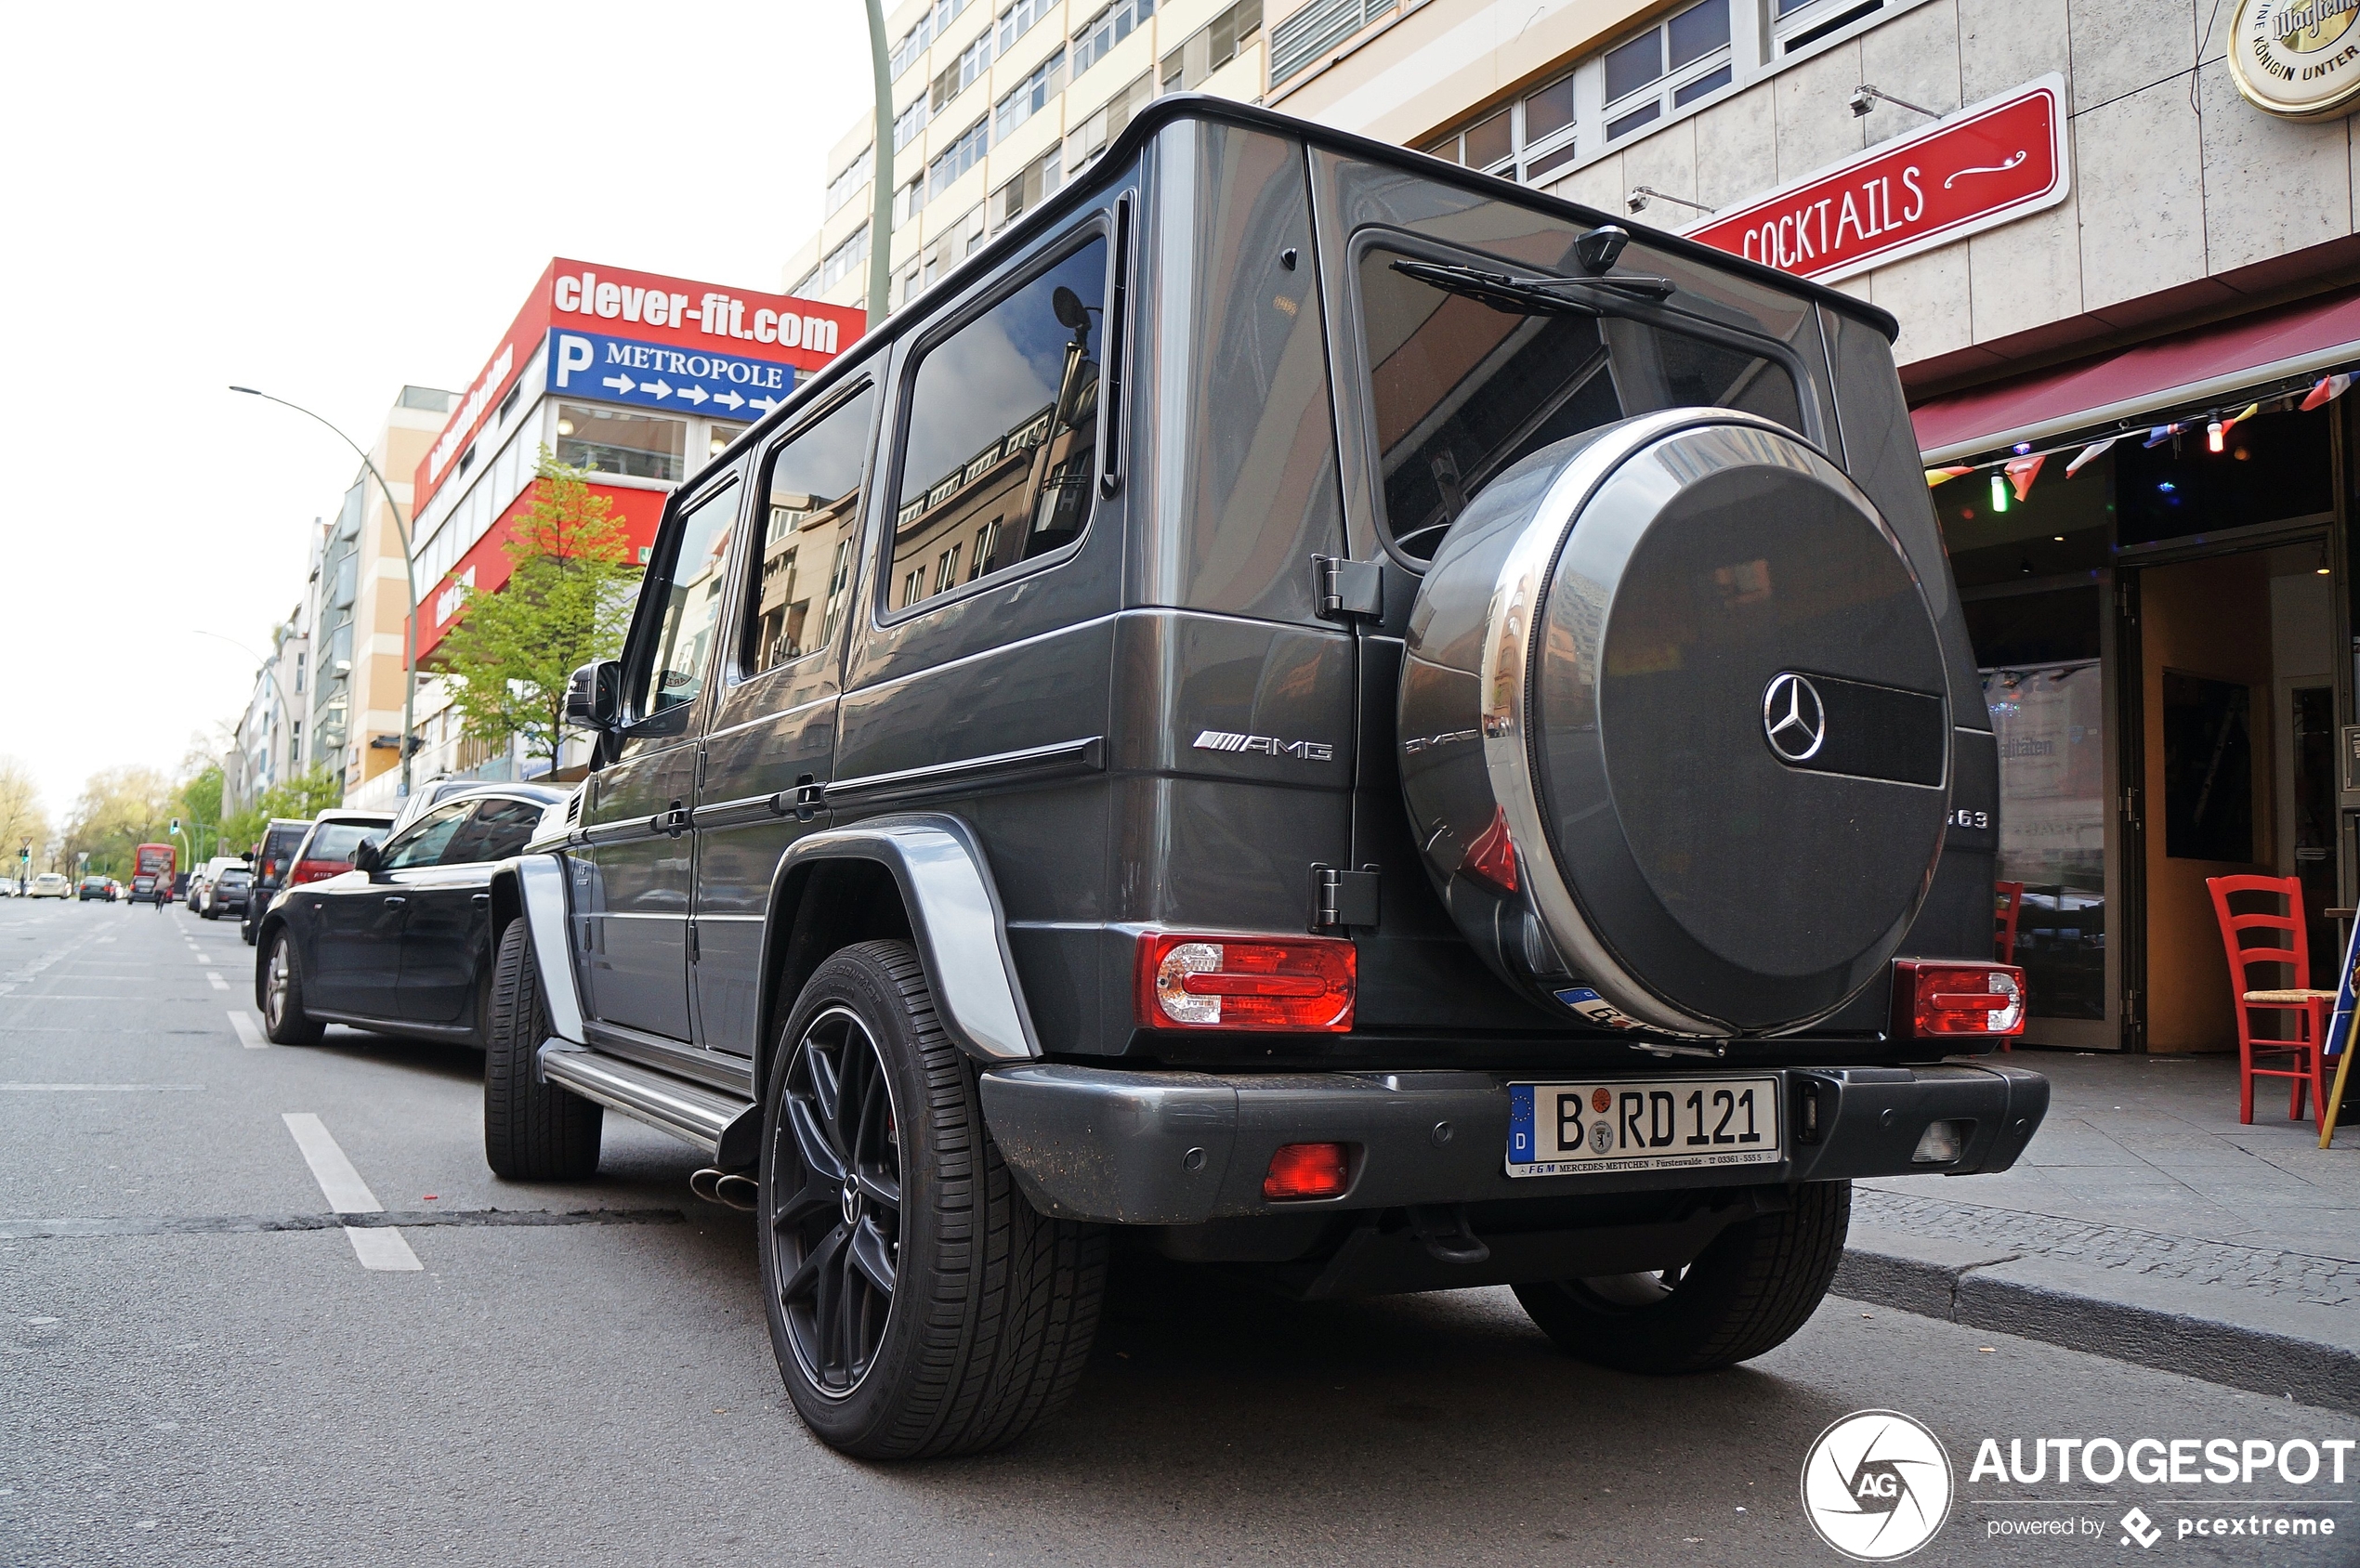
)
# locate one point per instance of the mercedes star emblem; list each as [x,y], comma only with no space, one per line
[1793,718]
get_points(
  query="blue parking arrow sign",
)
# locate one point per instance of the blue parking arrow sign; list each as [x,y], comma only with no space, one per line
[653,375]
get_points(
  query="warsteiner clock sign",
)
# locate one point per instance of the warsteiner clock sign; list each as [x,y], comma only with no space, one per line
[2299,58]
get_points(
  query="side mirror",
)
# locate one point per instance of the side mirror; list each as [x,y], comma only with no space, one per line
[369,855]
[594,694]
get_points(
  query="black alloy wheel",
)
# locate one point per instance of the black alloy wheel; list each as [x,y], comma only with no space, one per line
[838,1225]
[918,1304]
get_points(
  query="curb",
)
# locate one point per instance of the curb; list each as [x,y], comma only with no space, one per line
[2242,1339]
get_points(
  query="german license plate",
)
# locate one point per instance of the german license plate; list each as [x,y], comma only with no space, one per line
[1673,1124]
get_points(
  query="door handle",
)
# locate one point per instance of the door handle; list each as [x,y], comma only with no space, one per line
[479,898]
[392,899]
[676,820]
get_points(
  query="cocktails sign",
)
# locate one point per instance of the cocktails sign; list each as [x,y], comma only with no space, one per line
[1971,171]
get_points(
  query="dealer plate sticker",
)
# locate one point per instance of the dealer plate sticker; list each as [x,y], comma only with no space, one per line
[1671,1124]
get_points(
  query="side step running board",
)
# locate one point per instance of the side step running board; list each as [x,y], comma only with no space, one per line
[722,1125]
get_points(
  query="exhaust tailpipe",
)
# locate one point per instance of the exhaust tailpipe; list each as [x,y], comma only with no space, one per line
[731,1189]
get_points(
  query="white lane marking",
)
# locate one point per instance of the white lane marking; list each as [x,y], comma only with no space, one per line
[385,1249]
[382,1248]
[97,1088]
[249,1033]
[218,983]
[207,958]
[346,1193]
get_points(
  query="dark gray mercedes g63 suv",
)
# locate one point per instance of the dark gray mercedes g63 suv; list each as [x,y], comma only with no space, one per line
[1364,724]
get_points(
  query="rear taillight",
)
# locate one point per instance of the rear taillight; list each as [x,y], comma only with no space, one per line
[316,871]
[1300,1170]
[1934,999]
[1280,982]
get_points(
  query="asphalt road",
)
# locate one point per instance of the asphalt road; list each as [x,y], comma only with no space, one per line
[177,1385]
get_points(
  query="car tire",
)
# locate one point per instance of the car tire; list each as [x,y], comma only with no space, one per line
[283,1018]
[533,1130]
[1747,1293]
[987,1307]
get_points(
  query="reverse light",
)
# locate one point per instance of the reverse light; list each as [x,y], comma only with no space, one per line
[1940,1145]
[1275,982]
[1941,1000]
[1300,1170]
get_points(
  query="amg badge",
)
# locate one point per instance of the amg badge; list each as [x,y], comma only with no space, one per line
[1270,745]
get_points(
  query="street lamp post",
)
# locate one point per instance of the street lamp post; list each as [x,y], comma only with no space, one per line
[409,579]
[881,196]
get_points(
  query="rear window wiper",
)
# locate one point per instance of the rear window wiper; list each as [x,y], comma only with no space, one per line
[1528,297]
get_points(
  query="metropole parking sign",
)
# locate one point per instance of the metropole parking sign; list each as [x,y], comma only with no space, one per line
[1982,166]
[650,375]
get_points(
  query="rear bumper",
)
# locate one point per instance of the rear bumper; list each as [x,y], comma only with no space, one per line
[1177,1148]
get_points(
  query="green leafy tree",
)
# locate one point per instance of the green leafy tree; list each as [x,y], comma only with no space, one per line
[22,821]
[306,795]
[566,601]
[199,808]
[121,807]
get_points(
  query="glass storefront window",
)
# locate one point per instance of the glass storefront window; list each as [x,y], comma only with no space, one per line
[2050,721]
[640,446]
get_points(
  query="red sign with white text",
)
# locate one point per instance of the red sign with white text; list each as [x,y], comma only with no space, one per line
[1978,168]
[646,308]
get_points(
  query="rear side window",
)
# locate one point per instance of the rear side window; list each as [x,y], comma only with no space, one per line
[999,462]
[803,572]
[1460,390]
[422,842]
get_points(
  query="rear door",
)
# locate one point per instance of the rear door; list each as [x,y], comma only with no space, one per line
[443,945]
[634,901]
[772,739]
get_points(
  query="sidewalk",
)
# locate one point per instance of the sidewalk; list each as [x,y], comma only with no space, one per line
[2145,1223]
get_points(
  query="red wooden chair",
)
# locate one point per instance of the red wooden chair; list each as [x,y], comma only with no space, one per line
[2300,1058]
[2006,901]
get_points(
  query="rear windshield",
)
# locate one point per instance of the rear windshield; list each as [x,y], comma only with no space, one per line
[236,878]
[335,840]
[1461,390]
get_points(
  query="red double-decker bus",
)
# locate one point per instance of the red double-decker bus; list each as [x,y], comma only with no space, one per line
[155,861]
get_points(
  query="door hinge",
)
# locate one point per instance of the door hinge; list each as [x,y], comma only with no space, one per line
[1340,898]
[2129,1009]
[2126,603]
[1341,588]
[693,953]
[2131,806]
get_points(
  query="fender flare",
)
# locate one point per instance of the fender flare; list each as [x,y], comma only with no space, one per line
[539,893]
[955,921]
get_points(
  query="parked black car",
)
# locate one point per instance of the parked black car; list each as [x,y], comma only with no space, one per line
[401,942]
[1359,721]
[272,857]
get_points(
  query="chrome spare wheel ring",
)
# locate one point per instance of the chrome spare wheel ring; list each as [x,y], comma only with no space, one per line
[835,1206]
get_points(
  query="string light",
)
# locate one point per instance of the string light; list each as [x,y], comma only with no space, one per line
[1998,493]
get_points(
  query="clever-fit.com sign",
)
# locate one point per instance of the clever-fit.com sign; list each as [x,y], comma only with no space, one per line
[1987,165]
[652,376]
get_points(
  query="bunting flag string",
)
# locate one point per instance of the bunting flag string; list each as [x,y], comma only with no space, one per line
[2329,388]
[1935,475]
[2022,471]
[2093,451]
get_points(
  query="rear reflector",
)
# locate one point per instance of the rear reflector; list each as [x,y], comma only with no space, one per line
[1275,982]
[1934,1000]
[1300,1170]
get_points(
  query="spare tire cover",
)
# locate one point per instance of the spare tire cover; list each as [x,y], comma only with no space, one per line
[1686,669]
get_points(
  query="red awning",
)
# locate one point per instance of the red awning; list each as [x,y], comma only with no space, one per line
[2314,337]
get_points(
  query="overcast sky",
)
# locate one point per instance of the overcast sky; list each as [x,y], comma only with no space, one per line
[324,201]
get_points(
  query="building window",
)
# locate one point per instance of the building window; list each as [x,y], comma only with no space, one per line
[909,200]
[1093,39]
[298,673]
[1670,66]
[1029,190]
[1798,24]
[844,258]
[1301,41]
[961,73]
[807,284]
[1030,96]
[1529,139]
[963,155]
[1017,19]
[910,121]
[722,434]
[1212,47]
[1088,140]
[929,28]
[848,184]
[294,745]
[640,446]
[952,248]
